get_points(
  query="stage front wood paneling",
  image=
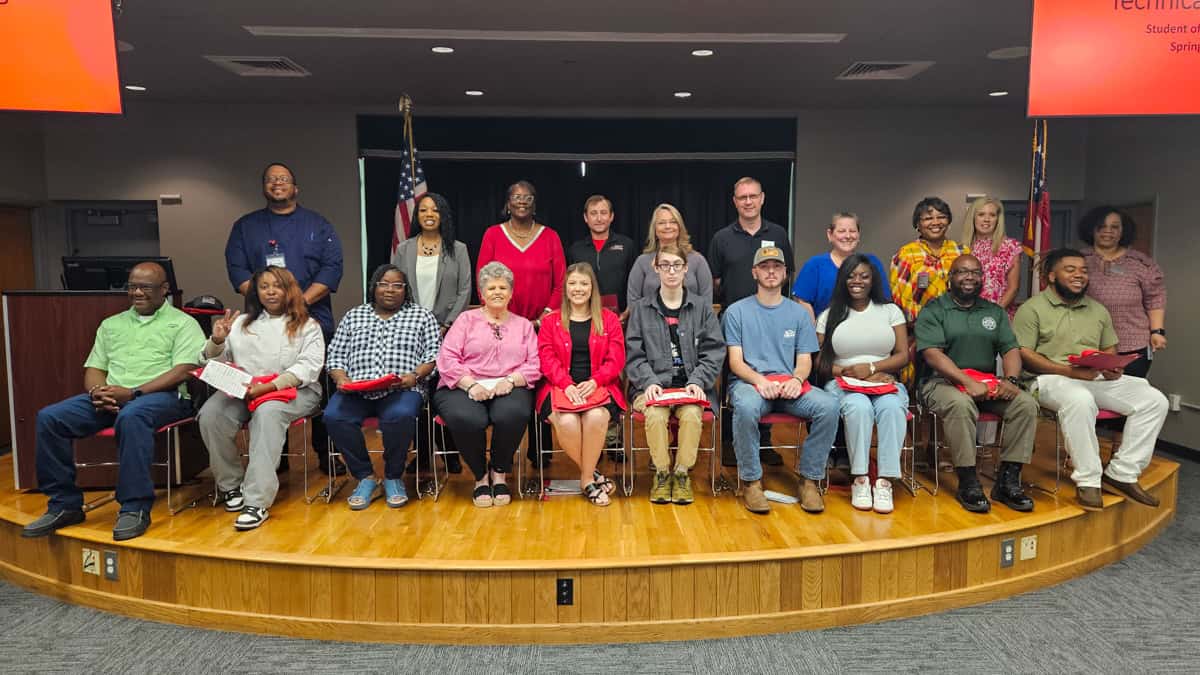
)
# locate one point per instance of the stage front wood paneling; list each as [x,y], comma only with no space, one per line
[447,572]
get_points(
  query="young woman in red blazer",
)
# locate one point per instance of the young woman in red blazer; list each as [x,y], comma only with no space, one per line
[582,351]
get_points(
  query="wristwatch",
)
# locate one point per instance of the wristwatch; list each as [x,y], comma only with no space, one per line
[1014,380]
[137,393]
[1159,331]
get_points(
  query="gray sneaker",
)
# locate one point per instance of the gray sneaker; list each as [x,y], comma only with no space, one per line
[50,522]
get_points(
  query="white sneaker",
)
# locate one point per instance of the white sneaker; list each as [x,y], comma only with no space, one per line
[860,493]
[883,495]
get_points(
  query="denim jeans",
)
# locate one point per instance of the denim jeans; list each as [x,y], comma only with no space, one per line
[135,424]
[397,413]
[818,407]
[860,412]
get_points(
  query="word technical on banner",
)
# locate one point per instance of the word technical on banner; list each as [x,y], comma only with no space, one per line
[58,55]
[1115,57]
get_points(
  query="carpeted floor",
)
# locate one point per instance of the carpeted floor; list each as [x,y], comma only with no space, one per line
[1138,615]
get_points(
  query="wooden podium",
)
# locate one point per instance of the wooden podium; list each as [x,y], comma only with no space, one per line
[48,335]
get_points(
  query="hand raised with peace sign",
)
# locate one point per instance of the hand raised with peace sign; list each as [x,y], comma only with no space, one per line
[222,326]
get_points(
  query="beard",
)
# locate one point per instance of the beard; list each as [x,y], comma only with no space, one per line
[1066,293]
[966,297]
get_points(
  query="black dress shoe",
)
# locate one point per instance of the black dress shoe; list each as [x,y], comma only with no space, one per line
[1008,490]
[769,457]
[50,522]
[970,492]
[131,524]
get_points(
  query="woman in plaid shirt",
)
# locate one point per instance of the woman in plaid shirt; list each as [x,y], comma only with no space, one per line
[391,335]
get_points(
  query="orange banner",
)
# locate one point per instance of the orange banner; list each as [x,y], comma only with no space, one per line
[59,55]
[1115,57]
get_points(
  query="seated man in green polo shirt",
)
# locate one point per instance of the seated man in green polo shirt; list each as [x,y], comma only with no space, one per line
[960,330]
[1051,326]
[134,377]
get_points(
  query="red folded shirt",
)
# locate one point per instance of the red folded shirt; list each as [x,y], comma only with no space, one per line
[377,384]
[990,379]
[879,388]
[678,396]
[560,403]
[804,386]
[1090,358]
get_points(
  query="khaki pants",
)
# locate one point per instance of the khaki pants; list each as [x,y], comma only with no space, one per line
[960,413]
[658,436]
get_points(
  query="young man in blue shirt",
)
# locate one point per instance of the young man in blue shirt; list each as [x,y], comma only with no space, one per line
[769,335]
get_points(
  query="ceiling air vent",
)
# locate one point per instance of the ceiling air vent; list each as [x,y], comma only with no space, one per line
[259,66]
[883,70]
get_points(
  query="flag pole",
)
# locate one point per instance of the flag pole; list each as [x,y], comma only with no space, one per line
[406,106]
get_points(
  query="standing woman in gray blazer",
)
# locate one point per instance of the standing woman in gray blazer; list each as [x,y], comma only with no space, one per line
[438,268]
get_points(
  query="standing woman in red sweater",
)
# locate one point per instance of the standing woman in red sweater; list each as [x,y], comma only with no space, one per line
[581,348]
[531,250]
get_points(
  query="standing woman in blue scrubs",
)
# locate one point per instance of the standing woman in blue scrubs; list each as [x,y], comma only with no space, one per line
[816,280]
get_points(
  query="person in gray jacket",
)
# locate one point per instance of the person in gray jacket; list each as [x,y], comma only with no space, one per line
[673,342]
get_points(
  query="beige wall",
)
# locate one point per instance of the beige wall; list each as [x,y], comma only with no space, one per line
[22,159]
[1155,160]
[213,157]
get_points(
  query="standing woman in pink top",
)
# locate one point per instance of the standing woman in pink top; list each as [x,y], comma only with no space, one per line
[488,365]
[1000,256]
[531,250]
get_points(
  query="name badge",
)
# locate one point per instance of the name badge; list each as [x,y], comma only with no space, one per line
[276,260]
[766,243]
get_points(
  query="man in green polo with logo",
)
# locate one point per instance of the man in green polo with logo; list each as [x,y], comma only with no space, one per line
[958,331]
[134,377]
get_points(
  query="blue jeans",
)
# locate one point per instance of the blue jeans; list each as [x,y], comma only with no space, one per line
[819,408]
[888,412]
[135,424]
[397,413]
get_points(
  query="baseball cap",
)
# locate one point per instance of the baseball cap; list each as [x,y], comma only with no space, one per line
[769,253]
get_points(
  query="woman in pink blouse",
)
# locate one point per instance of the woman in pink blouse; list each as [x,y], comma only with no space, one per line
[488,366]
[1126,281]
[531,250]
[999,255]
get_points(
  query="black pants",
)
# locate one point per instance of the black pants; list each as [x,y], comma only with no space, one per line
[468,421]
[1141,367]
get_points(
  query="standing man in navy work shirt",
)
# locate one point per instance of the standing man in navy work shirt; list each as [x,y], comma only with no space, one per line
[288,235]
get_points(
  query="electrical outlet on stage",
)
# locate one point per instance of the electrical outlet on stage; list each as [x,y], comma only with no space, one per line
[110,565]
[1029,547]
[566,591]
[1007,552]
[91,562]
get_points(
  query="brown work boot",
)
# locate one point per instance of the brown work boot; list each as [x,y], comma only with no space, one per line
[1089,498]
[810,496]
[1132,490]
[754,499]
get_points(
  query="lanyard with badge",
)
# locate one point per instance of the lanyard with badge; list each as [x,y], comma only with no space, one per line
[275,257]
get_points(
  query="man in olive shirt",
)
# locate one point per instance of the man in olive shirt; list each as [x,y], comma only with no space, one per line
[959,330]
[133,376]
[1061,321]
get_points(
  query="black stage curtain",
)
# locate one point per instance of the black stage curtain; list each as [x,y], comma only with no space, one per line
[701,189]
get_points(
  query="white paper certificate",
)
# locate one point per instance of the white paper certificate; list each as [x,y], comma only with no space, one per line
[226,378]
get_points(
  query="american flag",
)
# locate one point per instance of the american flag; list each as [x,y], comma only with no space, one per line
[408,194]
[1037,218]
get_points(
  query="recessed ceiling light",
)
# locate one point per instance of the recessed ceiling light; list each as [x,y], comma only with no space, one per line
[702,52]
[135,87]
[997,93]
[473,92]
[123,46]
[1008,53]
[683,94]
[442,50]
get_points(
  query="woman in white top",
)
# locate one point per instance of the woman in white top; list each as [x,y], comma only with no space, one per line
[275,336]
[666,227]
[863,336]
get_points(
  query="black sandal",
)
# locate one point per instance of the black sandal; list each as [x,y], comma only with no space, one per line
[482,497]
[595,493]
[604,483]
[501,495]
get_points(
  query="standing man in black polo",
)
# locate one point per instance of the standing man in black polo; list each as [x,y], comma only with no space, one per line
[731,259]
[288,235]
[610,254]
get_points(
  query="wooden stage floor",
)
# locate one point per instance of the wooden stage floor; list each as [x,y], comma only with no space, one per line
[447,571]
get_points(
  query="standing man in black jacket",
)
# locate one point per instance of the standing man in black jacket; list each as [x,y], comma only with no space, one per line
[610,254]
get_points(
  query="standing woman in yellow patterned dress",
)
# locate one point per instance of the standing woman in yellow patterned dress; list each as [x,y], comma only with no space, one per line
[920,268]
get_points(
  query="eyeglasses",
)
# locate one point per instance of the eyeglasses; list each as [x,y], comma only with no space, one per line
[145,288]
[521,199]
[394,285]
[747,198]
[496,333]
[967,273]
[277,180]
[671,267]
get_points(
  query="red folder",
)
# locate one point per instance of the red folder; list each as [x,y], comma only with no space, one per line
[678,396]
[881,388]
[377,384]
[286,395]
[804,386]
[560,403]
[1090,358]
[990,379]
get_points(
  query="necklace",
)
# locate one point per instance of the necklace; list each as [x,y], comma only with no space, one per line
[521,235]
[429,249]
